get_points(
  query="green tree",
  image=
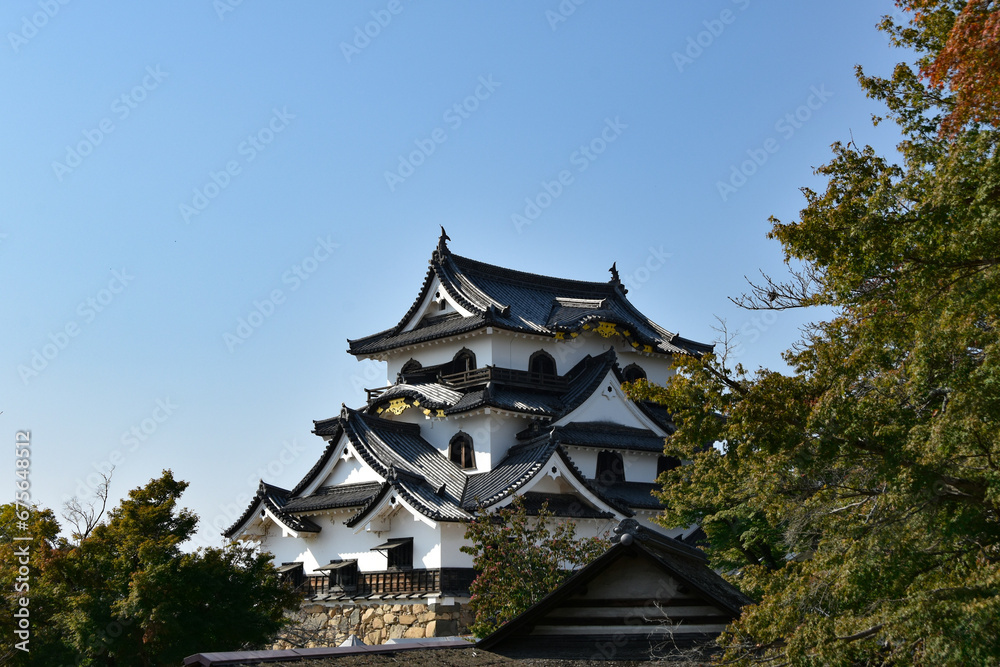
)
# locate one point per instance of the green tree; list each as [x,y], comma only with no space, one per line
[17,583]
[859,496]
[520,557]
[127,594]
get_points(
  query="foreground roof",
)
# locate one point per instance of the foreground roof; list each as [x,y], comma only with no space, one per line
[524,302]
[680,600]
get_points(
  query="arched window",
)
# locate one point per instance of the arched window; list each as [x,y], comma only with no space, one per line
[411,366]
[465,360]
[460,451]
[633,372]
[610,468]
[542,362]
[665,463]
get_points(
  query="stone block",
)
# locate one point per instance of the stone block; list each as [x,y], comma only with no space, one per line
[397,631]
[416,632]
[407,619]
[389,619]
[378,623]
[396,608]
[314,609]
[418,609]
[441,629]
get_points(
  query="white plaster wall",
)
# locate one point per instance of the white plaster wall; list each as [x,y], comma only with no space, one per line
[511,351]
[438,353]
[640,467]
[658,369]
[585,459]
[608,403]
[452,539]
[337,541]
[351,471]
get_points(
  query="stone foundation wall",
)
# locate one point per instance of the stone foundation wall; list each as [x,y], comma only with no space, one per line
[329,624]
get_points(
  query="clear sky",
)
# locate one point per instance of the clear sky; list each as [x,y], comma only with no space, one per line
[170,169]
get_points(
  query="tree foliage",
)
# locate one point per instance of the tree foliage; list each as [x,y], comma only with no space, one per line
[859,496]
[964,56]
[521,557]
[127,594]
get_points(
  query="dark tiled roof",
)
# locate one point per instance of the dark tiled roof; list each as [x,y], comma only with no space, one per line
[329,497]
[430,394]
[517,467]
[637,495]
[608,435]
[274,498]
[525,302]
[684,563]
[395,450]
[582,380]
[515,400]
[325,427]
[562,504]
[521,464]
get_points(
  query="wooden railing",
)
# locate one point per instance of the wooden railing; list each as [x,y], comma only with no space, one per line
[446,581]
[507,377]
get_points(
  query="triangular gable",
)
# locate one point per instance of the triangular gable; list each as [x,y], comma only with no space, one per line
[342,453]
[558,467]
[631,601]
[429,304]
[608,403]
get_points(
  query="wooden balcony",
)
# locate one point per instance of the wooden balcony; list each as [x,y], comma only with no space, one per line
[451,581]
[506,377]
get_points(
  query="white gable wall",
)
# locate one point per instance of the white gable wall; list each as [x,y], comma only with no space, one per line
[608,404]
[434,353]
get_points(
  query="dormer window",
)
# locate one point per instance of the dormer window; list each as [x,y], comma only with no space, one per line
[541,362]
[610,467]
[464,361]
[411,366]
[460,451]
[633,372]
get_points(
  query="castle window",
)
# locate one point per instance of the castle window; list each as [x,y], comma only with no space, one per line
[665,463]
[460,451]
[610,467]
[541,362]
[465,360]
[633,372]
[398,553]
[343,575]
[411,366]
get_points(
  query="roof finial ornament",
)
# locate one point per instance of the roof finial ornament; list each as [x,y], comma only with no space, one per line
[442,242]
[616,279]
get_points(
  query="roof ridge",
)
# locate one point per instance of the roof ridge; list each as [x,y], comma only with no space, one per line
[467,264]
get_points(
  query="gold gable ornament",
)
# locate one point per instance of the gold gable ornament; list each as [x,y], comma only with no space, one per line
[606,329]
[396,406]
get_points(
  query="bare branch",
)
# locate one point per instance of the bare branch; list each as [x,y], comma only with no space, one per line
[800,291]
[86,517]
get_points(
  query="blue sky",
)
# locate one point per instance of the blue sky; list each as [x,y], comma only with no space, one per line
[170,169]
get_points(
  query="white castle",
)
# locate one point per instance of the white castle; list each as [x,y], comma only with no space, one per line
[501,383]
